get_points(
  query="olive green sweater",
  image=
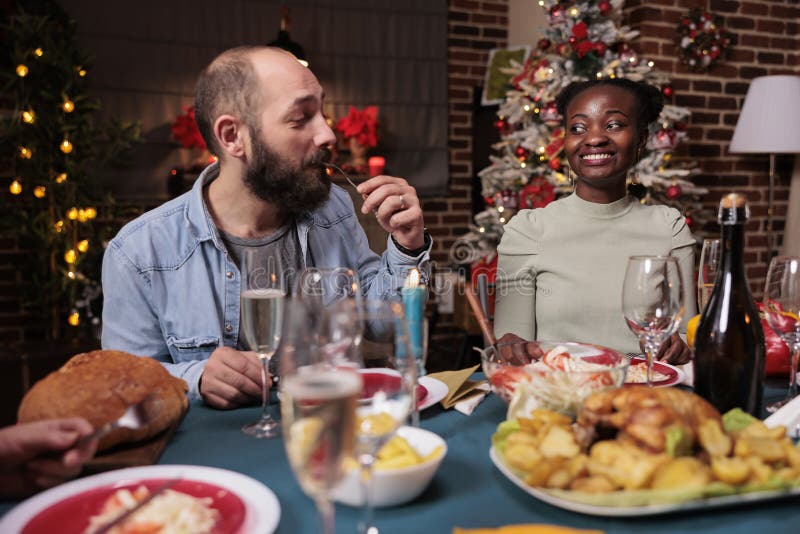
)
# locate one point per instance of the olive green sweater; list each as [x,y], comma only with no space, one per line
[561,268]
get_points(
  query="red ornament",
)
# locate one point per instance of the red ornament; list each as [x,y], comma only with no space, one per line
[600,48]
[673,192]
[537,194]
[500,124]
[604,7]
[573,40]
[489,201]
[667,91]
[521,152]
[689,221]
[555,164]
[580,30]
[544,44]
[583,48]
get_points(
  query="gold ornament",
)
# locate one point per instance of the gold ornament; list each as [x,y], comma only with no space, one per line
[22,70]
[83,245]
[68,106]
[66,146]
[72,214]
[15,187]
[70,256]
[28,117]
[25,152]
[74,319]
[39,191]
[61,178]
[90,213]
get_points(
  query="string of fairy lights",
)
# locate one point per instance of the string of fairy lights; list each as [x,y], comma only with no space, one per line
[69,222]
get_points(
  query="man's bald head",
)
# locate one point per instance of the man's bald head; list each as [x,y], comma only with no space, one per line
[229,85]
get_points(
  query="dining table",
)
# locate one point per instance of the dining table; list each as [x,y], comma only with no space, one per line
[467,491]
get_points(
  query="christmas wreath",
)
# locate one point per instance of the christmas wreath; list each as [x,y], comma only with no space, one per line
[701,39]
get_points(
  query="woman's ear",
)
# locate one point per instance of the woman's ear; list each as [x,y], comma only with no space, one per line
[230,135]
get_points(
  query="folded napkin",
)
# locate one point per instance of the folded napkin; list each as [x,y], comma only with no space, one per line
[788,416]
[461,389]
[525,529]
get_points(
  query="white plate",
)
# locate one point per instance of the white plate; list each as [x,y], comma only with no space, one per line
[638,511]
[437,390]
[262,510]
[675,374]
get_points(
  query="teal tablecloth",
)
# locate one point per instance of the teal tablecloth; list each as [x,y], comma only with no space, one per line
[467,491]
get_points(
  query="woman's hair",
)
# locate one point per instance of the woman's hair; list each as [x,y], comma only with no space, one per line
[649,101]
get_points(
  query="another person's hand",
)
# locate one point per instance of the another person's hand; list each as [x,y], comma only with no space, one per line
[38,455]
[397,208]
[231,378]
[675,351]
[517,351]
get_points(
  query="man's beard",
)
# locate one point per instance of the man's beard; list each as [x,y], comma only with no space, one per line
[292,190]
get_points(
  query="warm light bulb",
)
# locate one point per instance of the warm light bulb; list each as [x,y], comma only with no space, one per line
[22,71]
[71,275]
[83,245]
[74,319]
[39,191]
[573,12]
[25,152]
[522,165]
[15,187]
[68,106]
[66,146]
[91,213]
[28,117]
[70,256]
[59,227]
[61,178]
[82,215]
[72,214]
[81,71]
[38,52]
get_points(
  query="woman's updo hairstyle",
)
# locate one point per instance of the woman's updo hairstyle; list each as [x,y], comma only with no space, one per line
[649,101]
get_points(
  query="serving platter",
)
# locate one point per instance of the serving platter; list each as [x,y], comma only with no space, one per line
[583,502]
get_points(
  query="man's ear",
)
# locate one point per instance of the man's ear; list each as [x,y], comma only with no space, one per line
[230,134]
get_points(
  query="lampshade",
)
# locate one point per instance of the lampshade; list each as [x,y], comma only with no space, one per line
[285,42]
[770,119]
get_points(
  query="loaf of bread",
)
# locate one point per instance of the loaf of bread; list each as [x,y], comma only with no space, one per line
[100,385]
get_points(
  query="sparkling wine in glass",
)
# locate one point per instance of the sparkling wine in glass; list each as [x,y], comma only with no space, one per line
[652,302]
[707,272]
[318,406]
[262,300]
[782,309]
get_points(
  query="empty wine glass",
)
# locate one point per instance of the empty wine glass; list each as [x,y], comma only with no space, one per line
[652,302]
[262,296]
[707,271]
[318,406]
[782,308]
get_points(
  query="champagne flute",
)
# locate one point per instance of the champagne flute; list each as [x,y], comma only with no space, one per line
[318,406]
[381,414]
[652,302]
[707,272]
[782,308]
[262,296]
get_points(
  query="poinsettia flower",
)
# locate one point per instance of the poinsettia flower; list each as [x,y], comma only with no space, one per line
[185,130]
[361,124]
[579,30]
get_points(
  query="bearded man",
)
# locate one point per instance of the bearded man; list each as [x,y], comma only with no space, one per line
[171,278]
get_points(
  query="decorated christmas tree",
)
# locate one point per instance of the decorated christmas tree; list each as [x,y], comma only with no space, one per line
[584,40]
[55,147]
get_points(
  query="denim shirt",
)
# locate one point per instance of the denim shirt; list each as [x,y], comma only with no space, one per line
[171,291]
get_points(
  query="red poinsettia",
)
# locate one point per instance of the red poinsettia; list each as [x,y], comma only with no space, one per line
[185,130]
[537,194]
[361,124]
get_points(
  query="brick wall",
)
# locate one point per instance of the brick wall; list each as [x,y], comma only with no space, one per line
[768,43]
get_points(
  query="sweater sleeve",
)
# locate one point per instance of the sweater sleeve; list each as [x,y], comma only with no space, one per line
[515,286]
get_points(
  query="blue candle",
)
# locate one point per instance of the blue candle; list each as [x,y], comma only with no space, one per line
[413,294]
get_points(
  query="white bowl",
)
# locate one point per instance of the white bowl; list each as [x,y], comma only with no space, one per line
[391,487]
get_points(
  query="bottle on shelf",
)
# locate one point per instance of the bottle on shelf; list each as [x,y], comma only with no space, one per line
[729,342]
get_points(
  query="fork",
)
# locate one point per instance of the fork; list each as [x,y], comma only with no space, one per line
[135,416]
[346,177]
[141,504]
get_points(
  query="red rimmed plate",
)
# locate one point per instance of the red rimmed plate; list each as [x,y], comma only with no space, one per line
[387,379]
[674,375]
[245,505]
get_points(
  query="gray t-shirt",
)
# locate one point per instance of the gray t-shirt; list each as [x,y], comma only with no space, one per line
[283,244]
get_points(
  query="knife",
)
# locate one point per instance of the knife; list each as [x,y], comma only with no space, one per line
[129,512]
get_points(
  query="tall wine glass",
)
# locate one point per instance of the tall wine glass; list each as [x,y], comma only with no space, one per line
[707,271]
[318,406]
[782,309]
[262,296]
[391,401]
[652,302]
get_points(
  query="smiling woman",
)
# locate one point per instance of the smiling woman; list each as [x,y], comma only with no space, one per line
[561,267]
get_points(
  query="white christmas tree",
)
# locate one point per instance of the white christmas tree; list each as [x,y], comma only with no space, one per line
[584,40]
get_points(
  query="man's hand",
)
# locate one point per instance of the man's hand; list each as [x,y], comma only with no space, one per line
[517,351]
[41,454]
[397,208]
[231,378]
[675,351]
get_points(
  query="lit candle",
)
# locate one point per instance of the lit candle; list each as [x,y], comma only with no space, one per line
[376,165]
[413,293]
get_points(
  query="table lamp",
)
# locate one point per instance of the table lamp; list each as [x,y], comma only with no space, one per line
[769,124]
